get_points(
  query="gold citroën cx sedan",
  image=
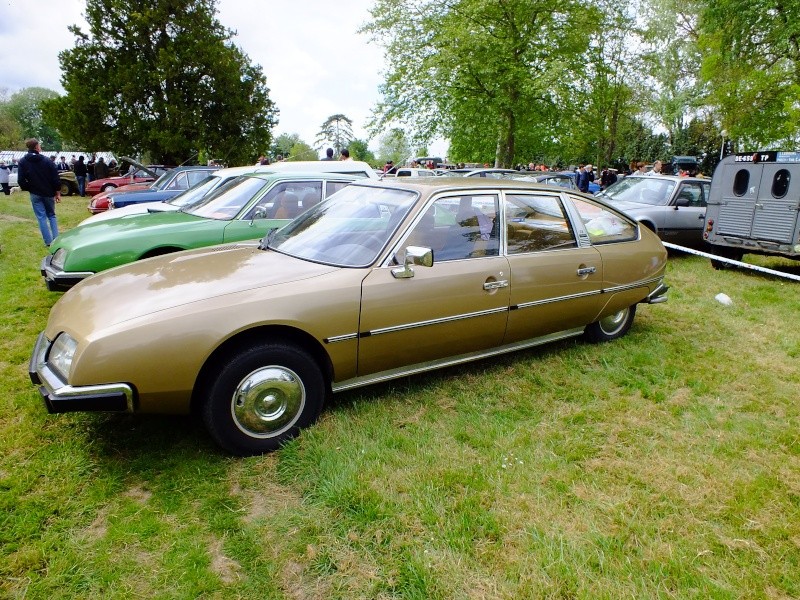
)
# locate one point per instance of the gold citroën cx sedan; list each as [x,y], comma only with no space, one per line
[381,280]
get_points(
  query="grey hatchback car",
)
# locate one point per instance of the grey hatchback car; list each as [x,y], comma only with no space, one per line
[673,207]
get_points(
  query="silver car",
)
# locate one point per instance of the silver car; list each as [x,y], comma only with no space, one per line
[673,207]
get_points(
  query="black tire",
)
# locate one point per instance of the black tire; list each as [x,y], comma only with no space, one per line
[611,326]
[726,253]
[261,397]
[66,188]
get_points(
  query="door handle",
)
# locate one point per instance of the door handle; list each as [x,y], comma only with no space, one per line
[586,271]
[701,216]
[495,285]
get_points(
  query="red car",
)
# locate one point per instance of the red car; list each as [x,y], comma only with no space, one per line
[150,174]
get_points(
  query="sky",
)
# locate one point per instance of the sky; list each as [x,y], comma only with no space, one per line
[315,61]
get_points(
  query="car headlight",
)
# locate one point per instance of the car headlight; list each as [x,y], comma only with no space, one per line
[59,259]
[60,356]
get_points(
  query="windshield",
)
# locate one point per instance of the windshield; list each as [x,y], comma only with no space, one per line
[643,190]
[162,180]
[228,200]
[349,229]
[197,191]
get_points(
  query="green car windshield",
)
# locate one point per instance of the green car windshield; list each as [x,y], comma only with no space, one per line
[228,200]
[349,229]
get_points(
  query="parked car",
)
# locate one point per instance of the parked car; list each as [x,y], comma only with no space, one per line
[594,187]
[141,175]
[244,208]
[556,179]
[673,207]
[411,172]
[483,172]
[352,168]
[171,183]
[382,280]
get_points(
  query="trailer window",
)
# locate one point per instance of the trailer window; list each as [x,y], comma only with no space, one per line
[740,182]
[780,183]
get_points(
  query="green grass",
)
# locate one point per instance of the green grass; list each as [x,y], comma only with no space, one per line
[662,465]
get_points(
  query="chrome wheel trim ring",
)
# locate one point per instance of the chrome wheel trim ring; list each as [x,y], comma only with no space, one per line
[268,401]
[613,324]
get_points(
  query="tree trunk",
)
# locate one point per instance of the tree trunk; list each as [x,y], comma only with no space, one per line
[504,155]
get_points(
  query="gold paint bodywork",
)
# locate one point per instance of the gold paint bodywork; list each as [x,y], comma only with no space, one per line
[156,323]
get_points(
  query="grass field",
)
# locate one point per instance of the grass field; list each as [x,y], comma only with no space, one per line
[662,465]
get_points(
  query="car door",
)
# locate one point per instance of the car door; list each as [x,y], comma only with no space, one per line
[686,214]
[555,282]
[457,306]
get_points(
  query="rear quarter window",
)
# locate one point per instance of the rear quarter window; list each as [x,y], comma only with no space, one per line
[603,224]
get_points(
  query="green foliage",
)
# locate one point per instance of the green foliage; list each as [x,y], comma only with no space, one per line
[283,144]
[302,151]
[24,108]
[480,73]
[393,146]
[336,132]
[359,150]
[752,66]
[162,79]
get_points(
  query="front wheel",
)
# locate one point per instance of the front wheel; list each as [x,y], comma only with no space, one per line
[261,397]
[108,187]
[611,327]
[66,188]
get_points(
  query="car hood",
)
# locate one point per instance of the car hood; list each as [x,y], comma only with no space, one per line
[624,205]
[176,281]
[124,227]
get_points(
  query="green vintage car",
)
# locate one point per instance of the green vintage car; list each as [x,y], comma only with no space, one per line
[245,208]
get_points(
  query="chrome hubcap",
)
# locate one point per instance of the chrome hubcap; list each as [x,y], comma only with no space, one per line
[268,401]
[612,323]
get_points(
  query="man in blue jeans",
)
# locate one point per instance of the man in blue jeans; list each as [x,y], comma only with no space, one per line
[38,175]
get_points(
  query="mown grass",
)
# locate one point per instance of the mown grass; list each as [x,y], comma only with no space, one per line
[663,465]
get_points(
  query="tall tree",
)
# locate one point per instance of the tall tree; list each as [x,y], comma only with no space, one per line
[25,107]
[394,146]
[162,79]
[751,51]
[481,71]
[336,132]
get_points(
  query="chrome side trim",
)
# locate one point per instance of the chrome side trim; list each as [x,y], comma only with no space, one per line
[394,328]
[453,360]
[340,338]
[559,299]
[635,284]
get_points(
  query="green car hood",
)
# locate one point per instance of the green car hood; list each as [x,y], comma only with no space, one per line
[176,280]
[99,246]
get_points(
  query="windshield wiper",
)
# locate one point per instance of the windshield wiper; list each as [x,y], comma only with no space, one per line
[267,239]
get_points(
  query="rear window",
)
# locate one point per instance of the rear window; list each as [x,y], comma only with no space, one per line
[741,182]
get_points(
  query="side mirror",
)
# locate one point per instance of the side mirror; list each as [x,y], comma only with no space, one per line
[259,213]
[681,201]
[414,256]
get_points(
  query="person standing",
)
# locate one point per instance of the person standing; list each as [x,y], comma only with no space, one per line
[62,165]
[328,154]
[345,154]
[585,176]
[39,176]
[90,168]
[5,173]
[657,166]
[80,171]
[100,169]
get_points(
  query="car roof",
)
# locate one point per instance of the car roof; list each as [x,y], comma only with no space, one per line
[668,178]
[431,185]
[303,175]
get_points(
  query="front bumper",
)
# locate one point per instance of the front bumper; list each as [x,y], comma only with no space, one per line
[58,280]
[60,397]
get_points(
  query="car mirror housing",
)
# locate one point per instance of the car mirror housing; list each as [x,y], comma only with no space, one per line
[414,256]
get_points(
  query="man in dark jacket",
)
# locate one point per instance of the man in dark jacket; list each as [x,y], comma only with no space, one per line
[38,175]
[80,170]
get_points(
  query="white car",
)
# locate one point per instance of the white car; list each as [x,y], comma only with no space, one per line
[349,167]
[413,172]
